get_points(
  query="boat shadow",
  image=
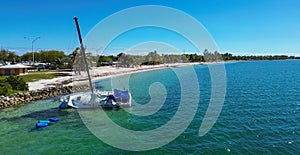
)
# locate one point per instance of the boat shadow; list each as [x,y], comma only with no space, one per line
[53,112]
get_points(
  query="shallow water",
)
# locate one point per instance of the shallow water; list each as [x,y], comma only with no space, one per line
[260,115]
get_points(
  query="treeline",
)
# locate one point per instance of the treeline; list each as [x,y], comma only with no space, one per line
[42,56]
[216,56]
[153,58]
[52,59]
[229,57]
[58,59]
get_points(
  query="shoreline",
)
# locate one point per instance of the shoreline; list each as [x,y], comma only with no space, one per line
[100,73]
[44,89]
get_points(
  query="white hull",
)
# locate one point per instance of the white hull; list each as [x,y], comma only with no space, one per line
[86,100]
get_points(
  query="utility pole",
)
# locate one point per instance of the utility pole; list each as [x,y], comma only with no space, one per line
[32,43]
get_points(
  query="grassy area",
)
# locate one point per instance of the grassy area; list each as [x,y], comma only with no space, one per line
[38,76]
[35,76]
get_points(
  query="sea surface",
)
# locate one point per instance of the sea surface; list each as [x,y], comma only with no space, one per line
[260,115]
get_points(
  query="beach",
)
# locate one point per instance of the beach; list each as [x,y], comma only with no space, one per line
[98,73]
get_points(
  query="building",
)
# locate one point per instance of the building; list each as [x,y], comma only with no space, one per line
[16,69]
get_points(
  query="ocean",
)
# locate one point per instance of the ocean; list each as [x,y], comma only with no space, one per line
[260,115]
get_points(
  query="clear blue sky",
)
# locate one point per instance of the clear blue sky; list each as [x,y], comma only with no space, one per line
[243,27]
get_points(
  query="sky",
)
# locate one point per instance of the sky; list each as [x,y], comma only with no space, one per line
[241,27]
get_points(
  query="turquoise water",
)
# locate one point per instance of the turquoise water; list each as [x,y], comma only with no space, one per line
[261,115]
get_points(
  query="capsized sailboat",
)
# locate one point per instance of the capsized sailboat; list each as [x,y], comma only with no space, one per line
[105,99]
[90,99]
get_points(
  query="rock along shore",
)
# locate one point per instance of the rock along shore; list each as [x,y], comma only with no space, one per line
[40,94]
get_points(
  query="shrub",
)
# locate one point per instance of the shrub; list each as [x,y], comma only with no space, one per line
[17,83]
[12,84]
[5,88]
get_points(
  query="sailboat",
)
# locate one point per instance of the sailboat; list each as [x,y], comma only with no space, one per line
[114,99]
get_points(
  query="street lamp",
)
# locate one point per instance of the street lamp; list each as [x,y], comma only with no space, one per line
[32,42]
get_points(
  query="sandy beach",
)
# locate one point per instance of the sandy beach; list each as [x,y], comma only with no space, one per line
[98,73]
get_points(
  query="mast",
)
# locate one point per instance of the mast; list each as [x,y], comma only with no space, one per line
[82,50]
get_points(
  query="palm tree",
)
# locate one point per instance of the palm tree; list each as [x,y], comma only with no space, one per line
[3,55]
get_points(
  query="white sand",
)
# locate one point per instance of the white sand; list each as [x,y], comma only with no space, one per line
[98,73]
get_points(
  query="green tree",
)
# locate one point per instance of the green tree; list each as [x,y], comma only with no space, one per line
[6,55]
[13,57]
[79,62]
[72,57]
[120,54]
[227,56]
[104,60]
[153,58]
[26,56]
[51,56]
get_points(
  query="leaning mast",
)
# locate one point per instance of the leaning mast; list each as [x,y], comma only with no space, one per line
[82,50]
